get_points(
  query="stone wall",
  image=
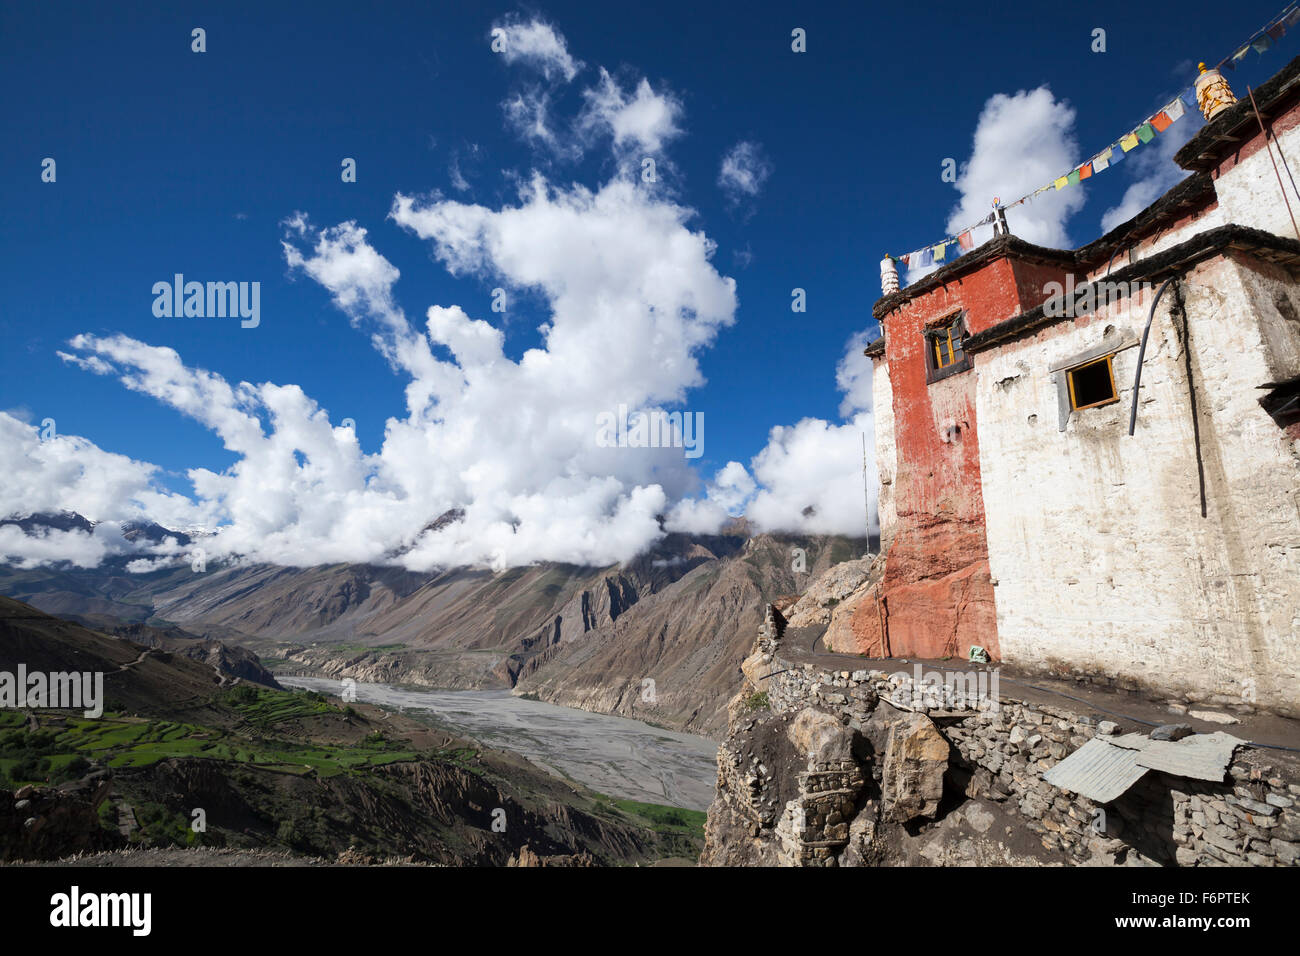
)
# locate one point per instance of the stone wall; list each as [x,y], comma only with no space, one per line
[1000,750]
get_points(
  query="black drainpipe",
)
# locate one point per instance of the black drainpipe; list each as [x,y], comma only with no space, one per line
[1142,351]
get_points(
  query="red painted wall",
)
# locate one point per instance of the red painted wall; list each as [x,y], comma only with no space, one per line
[936,598]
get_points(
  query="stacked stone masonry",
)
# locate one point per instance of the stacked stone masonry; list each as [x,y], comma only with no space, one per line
[1002,752]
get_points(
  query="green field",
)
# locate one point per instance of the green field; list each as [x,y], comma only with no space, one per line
[66,744]
[670,821]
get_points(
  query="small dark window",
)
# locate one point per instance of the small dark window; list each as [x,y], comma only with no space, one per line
[944,351]
[1092,384]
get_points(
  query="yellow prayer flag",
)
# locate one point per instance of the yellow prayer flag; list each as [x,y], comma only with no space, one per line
[1129,142]
[1061,183]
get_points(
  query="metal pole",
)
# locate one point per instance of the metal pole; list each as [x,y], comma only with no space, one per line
[1142,350]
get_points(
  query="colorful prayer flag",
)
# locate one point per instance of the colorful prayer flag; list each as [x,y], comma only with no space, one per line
[1175,110]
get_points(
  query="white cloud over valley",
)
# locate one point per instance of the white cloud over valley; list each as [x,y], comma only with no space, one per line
[505,443]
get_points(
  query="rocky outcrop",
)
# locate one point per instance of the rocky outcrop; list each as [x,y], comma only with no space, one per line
[932,597]
[45,823]
[916,760]
[527,857]
[225,659]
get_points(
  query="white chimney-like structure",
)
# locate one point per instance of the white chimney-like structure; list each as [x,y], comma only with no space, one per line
[888,276]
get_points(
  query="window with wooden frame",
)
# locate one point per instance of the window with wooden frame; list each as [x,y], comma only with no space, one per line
[1092,384]
[944,350]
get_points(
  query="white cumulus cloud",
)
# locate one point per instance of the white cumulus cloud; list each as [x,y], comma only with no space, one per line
[641,121]
[537,44]
[744,170]
[1022,141]
[507,444]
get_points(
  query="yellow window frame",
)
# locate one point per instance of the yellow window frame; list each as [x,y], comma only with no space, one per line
[939,339]
[1110,371]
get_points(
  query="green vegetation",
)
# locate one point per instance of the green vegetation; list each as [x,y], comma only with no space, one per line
[36,757]
[64,747]
[466,758]
[680,831]
[664,818]
[264,708]
[128,742]
[757,701]
[162,827]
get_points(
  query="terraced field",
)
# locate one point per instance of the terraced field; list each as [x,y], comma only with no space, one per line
[264,719]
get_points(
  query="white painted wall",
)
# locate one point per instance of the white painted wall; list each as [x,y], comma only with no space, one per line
[1249,194]
[882,403]
[1096,541]
[1158,243]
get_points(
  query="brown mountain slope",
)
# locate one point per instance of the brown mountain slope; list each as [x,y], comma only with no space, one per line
[681,615]
[674,658]
[273,769]
[136,678]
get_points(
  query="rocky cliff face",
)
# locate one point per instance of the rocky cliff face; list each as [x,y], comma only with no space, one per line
[800,784]
[671,658]
[823,769]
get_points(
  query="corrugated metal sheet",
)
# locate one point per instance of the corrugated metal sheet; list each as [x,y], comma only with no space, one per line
[1201,756]
[1098,770]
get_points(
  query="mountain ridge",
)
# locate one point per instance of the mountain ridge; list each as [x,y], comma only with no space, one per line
[680,616]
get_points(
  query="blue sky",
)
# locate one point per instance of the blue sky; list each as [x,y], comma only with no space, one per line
[170,161]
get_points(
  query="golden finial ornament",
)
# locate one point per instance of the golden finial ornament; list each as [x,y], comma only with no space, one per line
[1213,94]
